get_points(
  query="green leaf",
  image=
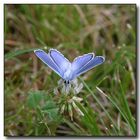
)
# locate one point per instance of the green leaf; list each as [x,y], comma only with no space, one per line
[127,111]
[51,109]
[13,54]
[34,99]
[98,101]
[89,119]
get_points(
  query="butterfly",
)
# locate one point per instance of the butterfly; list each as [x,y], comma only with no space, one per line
[67,70]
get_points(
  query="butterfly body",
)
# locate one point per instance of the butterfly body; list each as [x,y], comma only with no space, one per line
[68,73]
[64,68]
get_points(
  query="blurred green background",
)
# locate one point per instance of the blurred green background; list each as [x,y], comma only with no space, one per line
[109,91]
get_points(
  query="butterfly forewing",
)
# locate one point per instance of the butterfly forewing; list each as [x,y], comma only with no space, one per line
[48,61]
[59,60]
[81,61]
[91,64]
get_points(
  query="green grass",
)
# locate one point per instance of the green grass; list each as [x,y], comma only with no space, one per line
[109,93]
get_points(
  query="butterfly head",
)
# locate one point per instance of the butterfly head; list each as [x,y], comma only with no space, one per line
[67,82]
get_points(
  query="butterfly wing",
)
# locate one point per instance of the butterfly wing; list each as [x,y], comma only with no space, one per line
[91,64]
[80,61]
[43,56]
[83,64]
[59,60]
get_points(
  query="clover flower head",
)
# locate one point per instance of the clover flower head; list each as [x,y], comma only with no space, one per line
[68,97]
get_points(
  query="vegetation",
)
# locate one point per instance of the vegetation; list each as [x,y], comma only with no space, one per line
[109,92]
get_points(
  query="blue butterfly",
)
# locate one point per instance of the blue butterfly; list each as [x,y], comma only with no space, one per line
[64,68]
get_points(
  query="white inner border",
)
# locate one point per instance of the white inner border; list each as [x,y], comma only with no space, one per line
[2,2]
